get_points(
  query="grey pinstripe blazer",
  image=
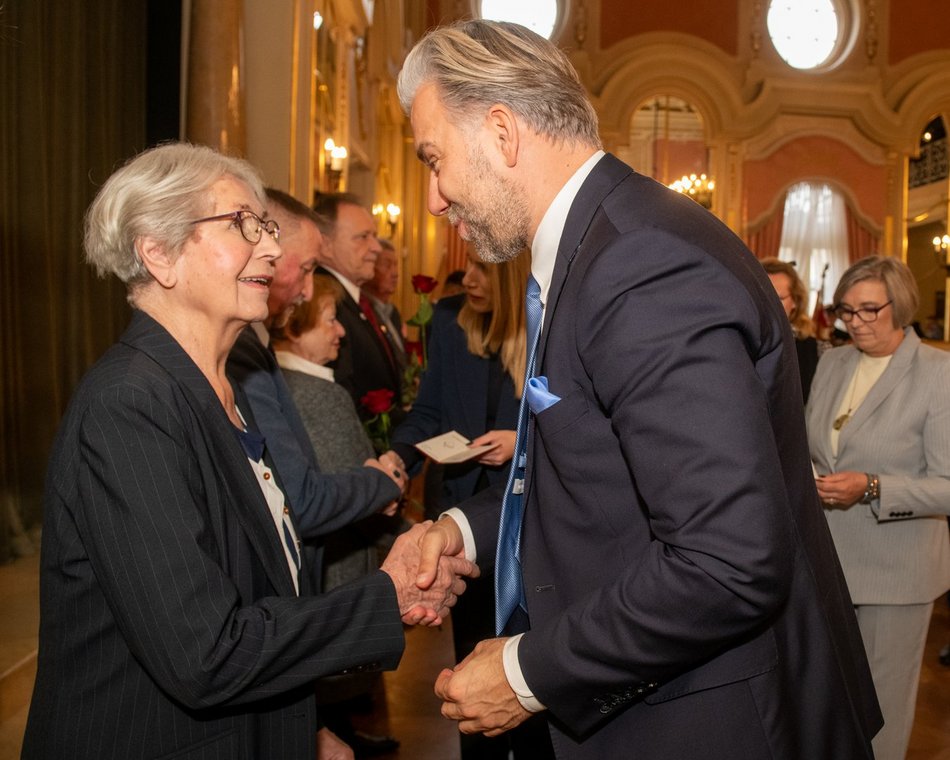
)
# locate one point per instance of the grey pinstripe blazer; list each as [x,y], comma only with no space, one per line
[169,625]
[901,432]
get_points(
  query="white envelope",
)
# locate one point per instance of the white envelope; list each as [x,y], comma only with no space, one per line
[450,448]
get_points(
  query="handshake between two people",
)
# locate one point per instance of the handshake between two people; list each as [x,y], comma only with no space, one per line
[426,565]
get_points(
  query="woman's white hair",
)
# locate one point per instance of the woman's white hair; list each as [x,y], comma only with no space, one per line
[475,64]
[157,193]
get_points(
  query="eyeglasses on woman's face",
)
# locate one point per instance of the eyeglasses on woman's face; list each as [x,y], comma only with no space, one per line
[865,313]
[251,225]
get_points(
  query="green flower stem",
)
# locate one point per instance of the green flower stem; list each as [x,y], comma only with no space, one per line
[425,353]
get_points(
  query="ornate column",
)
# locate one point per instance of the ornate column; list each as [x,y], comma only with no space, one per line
[215,85]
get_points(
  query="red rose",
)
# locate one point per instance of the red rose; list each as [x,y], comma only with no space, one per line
[378,401]
[422,283]
[414,347]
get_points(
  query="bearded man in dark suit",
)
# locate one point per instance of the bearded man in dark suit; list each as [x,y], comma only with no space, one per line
[665,579]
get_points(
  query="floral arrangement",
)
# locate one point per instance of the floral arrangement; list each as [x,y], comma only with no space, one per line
[379,403]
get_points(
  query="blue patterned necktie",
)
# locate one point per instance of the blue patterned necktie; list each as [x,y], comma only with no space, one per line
[509,591]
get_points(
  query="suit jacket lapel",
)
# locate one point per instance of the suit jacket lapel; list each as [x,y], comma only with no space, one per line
[266,358]
[896,369]
[847,363]
[605,176]
[248,502]
[370,341]
[255,516]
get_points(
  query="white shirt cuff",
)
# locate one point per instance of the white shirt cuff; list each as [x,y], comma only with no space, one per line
[516,678]
[468,538]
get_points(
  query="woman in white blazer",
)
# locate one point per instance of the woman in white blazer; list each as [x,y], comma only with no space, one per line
[879,433]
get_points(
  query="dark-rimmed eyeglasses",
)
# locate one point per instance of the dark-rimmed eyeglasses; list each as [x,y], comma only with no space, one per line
[865,313]
[251,225]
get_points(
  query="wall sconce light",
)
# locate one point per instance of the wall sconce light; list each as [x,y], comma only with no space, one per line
[699,188]
[942,249]
[334,158]
[388,214]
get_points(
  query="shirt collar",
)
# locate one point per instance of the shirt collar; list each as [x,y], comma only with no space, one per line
[260,330]
[291,361]
[348,285]
[548,237]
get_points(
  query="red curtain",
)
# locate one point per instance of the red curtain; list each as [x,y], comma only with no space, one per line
[861,240]
[764,242]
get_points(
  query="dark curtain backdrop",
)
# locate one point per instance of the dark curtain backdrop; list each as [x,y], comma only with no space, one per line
[72,108]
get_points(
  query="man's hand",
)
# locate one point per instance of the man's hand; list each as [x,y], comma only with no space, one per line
[443,539]
[425,603]
[332,747]
[477,694]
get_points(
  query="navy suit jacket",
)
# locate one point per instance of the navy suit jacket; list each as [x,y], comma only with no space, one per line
[684,595]
[169,625]
[322,502]
[453,395]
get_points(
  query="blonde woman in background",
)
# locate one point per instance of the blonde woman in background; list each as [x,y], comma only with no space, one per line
[794,297]
[473,385]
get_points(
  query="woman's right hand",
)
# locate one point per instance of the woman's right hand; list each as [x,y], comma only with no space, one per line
[503,447]
[841,490]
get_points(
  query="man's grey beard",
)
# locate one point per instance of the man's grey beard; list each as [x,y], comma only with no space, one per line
[489,247]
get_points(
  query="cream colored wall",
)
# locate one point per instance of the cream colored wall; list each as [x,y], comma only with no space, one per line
[277,50]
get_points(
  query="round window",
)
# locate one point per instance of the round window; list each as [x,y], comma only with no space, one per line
[538,15]
[805,32]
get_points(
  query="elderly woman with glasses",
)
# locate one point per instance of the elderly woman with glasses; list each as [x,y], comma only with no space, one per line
[175,613]
[879,433]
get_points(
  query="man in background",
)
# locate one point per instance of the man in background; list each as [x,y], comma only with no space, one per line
[381,289]
[322,503]
[367,362]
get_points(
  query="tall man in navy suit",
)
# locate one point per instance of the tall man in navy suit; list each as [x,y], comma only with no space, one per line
[677,594]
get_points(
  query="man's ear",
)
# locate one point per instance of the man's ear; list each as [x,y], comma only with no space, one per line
[157,260]
[505,131]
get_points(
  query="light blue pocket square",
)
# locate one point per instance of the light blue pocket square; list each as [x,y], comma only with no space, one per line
[538,395]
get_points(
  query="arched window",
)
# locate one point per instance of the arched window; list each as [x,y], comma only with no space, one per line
[815,237]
